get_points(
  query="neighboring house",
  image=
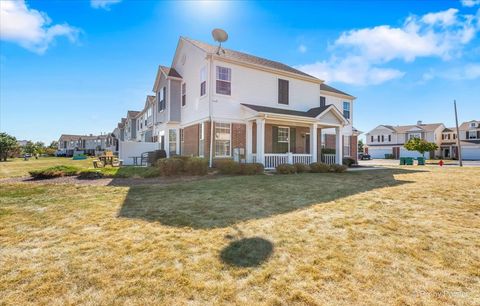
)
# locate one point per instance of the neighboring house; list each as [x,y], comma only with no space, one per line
[130,126]
[70,145]
[469,138]
[390,140]
[145,120]
[229,104]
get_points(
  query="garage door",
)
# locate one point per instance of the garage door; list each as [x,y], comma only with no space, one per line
[379,153]
[405,153]
[471,153]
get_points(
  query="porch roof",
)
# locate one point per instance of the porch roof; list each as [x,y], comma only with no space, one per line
[311,114]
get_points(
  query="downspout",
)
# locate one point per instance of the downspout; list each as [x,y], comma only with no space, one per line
[210,111]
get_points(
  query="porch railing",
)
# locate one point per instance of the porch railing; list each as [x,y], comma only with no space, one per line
[273,160]
[328,158]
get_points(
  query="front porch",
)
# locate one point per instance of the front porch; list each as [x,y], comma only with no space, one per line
[274,139]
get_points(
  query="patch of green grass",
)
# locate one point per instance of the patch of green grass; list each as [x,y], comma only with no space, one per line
[55,171]
[19,167]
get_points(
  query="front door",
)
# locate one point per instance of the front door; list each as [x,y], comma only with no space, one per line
[307,143]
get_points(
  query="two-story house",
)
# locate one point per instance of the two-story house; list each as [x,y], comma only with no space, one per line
[469,140]
[228,104]
[68,145]
[145,121]
[388,140]
[130,126]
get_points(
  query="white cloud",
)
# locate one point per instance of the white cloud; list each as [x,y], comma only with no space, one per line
[30,28]
[302,48]
[469,71]
[363,52]
[470,3]
[103,4]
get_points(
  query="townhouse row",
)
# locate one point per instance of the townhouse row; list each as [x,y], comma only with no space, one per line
[220,103]
[388,140]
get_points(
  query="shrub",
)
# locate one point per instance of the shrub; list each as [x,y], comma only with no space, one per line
[319,168]
[300,168]
[227,166]
[90,174]
[285,169]
[338,168]
[56,171]
[251,169]
[196,166]
[170,166]
[348,161]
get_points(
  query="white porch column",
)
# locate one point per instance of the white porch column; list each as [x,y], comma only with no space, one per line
[260,141]
[249,142]
[338,145]
[313,142]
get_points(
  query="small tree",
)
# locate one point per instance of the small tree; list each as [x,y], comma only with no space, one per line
[30,148]
[7,144]
[360,146]
[420,145]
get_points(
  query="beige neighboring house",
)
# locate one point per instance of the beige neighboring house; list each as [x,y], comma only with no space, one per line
[145,121]
[130,126]
[469,138]
[387,140]
[69,145]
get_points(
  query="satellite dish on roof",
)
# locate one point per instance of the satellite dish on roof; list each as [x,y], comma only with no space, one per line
[220,36]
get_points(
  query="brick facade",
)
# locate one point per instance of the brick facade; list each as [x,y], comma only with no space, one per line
[239,135]
[191,139]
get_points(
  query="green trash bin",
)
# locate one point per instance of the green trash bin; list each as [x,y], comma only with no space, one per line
[402,161]
[421,161]
[409,161]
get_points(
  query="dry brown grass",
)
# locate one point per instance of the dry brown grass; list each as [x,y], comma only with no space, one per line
[376,237]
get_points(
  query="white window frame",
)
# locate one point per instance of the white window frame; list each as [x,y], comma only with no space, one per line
[184,95]
[348,109]
[218,78]
[201,140]
[346,145]
[288,134]
[170,142]
[229,140]
[414,135]
[203,79]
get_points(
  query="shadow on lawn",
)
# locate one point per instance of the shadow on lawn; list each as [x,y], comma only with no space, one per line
[226,201]
[247,252]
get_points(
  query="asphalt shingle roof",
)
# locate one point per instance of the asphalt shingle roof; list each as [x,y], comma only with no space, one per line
[247,58]
[311,113]
[325,87]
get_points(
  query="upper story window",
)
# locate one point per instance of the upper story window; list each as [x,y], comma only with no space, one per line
[383,138]
[224,83]
[161,100]
[346,110]
[473,124]
[414,135]
[389,138]
[184,94]
[203,81]
[149,112]
[283,94]
[283,134]
[371,138]
[378,138]
[323,101]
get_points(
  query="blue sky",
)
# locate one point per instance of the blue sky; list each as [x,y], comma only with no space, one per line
[78,66]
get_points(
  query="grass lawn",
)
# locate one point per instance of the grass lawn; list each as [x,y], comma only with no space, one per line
[19,167]
[402,236]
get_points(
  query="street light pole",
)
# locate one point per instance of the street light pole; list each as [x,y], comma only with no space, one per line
[458,135]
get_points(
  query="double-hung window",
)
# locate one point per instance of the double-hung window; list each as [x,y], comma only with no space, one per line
[414,135]
[222,139]
[283,92]
[161,100]
[203,81]
[346,145]
[201,139]
[184,94]
[346,110]
[172,142]
[323,101]
[224,81]
[389,138]
[283,134]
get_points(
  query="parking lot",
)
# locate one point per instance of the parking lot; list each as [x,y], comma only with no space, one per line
[394,162]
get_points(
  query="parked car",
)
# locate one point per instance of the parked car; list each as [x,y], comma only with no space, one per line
[364,156]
